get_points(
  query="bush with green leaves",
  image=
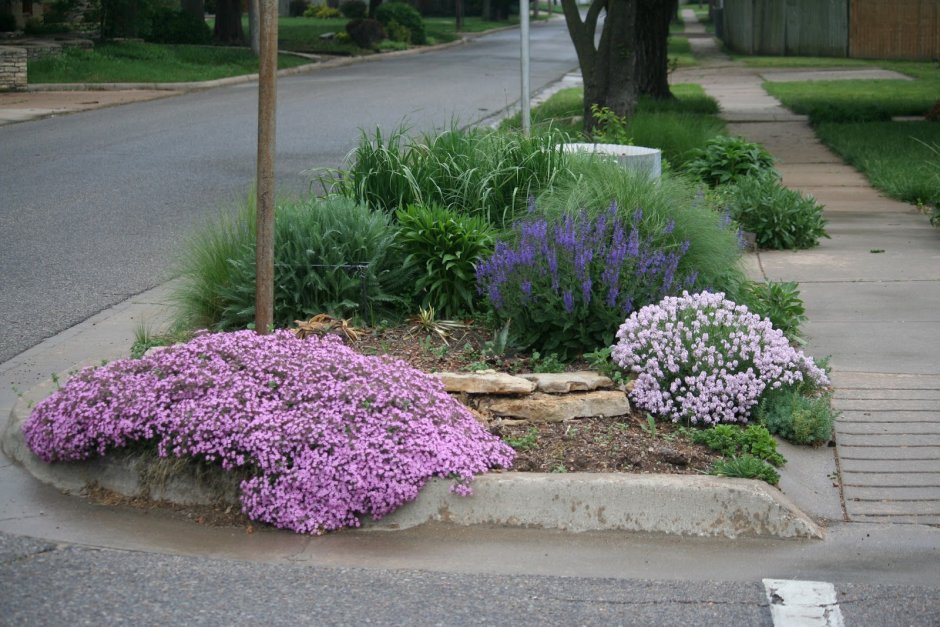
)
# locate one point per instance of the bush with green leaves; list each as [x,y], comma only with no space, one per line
[780,302]
[407,16]
[745,467]
[353,9]
[298,7]
[171,26]
[727,159]
[442,247]
[611,128]
[485,173]
[398,33]
[780,218]
[331,256]
[365,33]
[322,12]
[733,441]
[674,201]
[797,417]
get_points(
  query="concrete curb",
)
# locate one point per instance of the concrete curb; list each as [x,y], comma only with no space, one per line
[685,505]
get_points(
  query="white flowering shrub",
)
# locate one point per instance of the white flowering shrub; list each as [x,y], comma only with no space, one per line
[702,359]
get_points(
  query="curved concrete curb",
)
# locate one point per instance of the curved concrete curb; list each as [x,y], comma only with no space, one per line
[688,505]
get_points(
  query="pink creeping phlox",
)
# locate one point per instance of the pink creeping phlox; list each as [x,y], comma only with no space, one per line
[327,434]
[701,358]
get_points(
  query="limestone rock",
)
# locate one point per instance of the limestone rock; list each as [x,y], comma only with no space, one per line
[554,408]
[564,382]
[484,383]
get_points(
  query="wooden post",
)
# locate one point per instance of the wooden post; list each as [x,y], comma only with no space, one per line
[267,106]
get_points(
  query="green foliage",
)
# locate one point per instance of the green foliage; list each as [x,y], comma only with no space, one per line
[798,418]
[406,15]
[780,218]
[546,363]
[611,128]
[713,252]
[365,33]
[170,26]
[780,302]
[524,442]
[397,32]
[322,12]
[483,173]
[298,7]
[728,159]
[442,246]
[678,135]
[745,467]
[734,441]
[331,256]
[353,9]
[601,361]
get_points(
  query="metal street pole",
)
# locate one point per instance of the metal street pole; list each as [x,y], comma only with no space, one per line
[267,105]
[524,33]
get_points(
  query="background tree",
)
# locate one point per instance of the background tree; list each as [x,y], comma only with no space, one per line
[608,68]
[652,37]
[228,23]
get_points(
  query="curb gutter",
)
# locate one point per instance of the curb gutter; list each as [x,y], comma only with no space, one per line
[686,505]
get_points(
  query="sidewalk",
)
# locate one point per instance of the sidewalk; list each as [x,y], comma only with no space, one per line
[876,313]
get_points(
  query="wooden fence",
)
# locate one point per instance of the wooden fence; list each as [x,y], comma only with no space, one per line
[901,29]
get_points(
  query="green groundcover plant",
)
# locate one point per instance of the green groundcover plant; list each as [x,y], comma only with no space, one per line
[327,435]
[702,359]
[727,159]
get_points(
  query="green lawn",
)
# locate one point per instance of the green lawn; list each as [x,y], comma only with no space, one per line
[139,62]
[675,127]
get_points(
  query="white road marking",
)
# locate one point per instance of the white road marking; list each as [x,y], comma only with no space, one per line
[803,603]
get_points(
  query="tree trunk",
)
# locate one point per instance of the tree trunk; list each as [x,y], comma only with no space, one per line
[609,69]
[373,5]
[254,25]
[228,23]
[458,14]
[652,36]
[535,10]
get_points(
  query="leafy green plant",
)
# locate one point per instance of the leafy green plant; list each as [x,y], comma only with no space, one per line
[649,427]
[442,247]
[331,256]
[427,322]
[601,361]
[482,173]
[353,9]
[780,218]
[611,128]
[405,15]
[727,159]
[523,442]
[745,467]
[545,363]
[733,441]
[780,302]
[172,26]
[798,418]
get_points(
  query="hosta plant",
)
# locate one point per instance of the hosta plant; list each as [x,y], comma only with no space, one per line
[702,359]
[728,159]
[327,435]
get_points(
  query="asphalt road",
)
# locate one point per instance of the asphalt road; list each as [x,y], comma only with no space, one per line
[93,206]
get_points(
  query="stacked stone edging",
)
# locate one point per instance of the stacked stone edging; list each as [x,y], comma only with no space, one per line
[12,68]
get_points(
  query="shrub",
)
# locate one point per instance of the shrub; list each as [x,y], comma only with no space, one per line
[745,467]
[714,248]
[611,128]
[732,441]
[331,256]
[780,302]
[365,33]
[406,15]
[728,159]
[702,359]
[170,26]
[780,218]
[353,9]
[442,248]
[298,7]
[485,173]
[397,32]
[326,434]
[7,22]
[798,418]
[322,12]
[567,281]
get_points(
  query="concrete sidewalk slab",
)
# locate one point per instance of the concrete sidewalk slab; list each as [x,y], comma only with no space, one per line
[30,105]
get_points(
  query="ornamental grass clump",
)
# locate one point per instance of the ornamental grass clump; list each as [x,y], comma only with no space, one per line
[567,281]
[702,359]
[327,435]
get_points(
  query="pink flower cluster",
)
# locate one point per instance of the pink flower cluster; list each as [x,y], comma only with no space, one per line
[328,434]
[701,358]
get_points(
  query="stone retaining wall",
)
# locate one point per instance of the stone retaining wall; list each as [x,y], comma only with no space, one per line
[12,69]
